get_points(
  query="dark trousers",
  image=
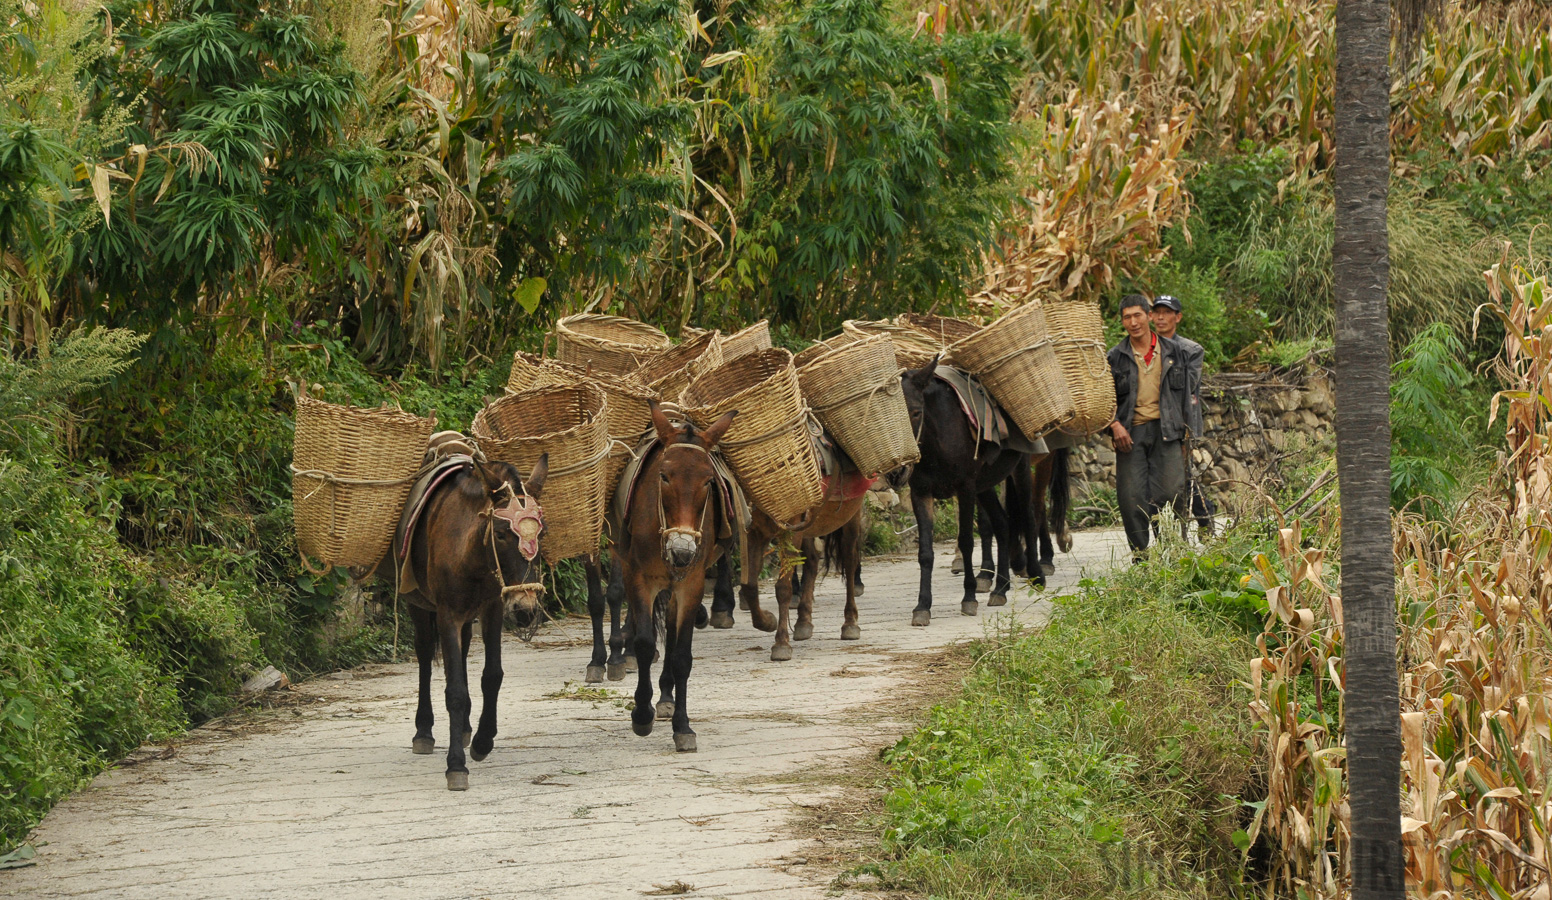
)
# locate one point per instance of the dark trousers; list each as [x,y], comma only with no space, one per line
[1150,475]
[1202,507]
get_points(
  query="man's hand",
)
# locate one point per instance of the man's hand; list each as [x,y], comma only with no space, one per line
[1121,437]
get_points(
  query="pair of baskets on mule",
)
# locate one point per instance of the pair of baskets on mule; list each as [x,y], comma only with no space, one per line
[855,392]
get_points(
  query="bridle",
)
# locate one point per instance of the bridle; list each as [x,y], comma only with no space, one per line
[676,572]
[525,517]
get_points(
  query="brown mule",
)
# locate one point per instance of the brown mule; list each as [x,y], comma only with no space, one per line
[839,523]
[468,551]
[668,539]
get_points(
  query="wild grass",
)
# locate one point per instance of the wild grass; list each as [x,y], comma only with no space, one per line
[1104,755]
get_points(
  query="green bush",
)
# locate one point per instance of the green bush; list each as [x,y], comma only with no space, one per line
[1104,755]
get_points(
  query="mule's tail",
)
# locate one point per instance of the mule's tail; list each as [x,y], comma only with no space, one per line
[834,551]
[1061,490]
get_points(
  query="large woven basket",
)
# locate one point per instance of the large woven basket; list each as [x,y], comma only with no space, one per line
[768,445]
[814,351]
[912,348]
[613,345]
[568,423]
[944,330]
[626,413]
[855,392]
[1014,358]
[1078,334]
[350,475]
[753,339]
[668,372]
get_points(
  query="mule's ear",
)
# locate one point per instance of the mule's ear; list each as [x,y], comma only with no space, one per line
[535,482]
[491,480]
[710,436]
[665,429]
[922,377]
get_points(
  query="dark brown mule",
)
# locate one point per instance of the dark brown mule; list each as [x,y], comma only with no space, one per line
[464,552]
[955,462]
[668,540]
[836,521]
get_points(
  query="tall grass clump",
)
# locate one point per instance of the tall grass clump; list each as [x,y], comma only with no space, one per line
[1100,756]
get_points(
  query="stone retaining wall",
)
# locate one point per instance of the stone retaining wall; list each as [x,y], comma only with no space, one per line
[1253,422]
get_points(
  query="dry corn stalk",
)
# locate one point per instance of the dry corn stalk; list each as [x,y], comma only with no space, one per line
[1476,668]
[1106,180]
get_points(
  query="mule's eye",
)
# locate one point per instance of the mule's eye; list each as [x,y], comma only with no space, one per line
[664,476]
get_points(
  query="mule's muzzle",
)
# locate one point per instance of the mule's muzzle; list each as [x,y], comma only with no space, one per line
[681,547]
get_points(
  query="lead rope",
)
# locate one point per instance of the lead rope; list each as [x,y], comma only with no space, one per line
[676,574]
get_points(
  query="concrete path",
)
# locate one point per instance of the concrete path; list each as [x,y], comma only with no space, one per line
[322,797]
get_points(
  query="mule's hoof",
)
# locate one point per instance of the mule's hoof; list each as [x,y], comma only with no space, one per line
[685,743]
[781,652]
[850,632]
[1064,541]
[616,671]
[468,738]
[721,619]
[630,664]
[423,746]
[997,600]
[700,616]
[983,583]
[1047,568]
[665,709]
[743,603]
[1020,571]
[803,631]
[595,674]
[641,728]
[921,617]
[856,589]
[766,621]
[957,567]
[969,607]
[458,781]
[480,750]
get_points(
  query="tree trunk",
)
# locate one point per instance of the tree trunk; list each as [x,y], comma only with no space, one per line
[1361,271]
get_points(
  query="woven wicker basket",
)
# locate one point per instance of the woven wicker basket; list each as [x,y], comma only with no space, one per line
[613,345]
[1016,361]
[750,340]
[530,371]
[668,372]
[351,473]
[814,351]
[855,392]
[768,445]
[568,423]
[943,330]
[1078,334]
[912,348]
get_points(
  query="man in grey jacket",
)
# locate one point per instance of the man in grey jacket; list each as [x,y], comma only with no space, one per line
[1153,417]
[1166,316]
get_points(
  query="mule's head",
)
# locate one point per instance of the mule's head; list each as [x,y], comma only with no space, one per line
[914,384]
[516,515]
[685,475]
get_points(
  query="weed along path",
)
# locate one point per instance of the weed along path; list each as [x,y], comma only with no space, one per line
[321,797]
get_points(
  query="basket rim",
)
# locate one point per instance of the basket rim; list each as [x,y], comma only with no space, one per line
[655,337]
[481,420]
[396,415]
[741,393]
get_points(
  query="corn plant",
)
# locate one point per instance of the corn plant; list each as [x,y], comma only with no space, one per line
[1105,179]
[1475,650]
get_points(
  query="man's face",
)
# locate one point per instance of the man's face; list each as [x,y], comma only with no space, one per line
[1135,320]
[1165,320]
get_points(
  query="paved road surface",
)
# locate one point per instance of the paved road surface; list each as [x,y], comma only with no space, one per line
[323,798]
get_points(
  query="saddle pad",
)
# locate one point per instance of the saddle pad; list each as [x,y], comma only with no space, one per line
[431,477]
[986,418]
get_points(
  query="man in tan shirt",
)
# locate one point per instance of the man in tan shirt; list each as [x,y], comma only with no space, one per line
[1152,414]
